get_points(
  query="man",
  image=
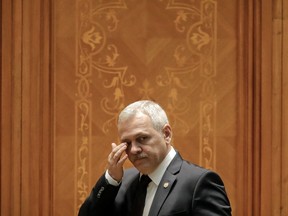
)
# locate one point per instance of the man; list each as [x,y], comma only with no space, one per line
[176,186]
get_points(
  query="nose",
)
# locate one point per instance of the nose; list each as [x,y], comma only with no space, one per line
[135,148]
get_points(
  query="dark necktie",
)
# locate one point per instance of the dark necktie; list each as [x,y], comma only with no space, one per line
[140,195]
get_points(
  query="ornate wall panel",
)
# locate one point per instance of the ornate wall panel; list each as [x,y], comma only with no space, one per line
[181,54]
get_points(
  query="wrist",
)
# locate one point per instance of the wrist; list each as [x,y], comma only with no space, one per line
[111,180]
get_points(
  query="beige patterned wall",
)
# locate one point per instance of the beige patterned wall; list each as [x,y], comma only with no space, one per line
[110,53]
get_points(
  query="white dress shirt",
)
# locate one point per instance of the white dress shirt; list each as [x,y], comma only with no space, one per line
[155,176]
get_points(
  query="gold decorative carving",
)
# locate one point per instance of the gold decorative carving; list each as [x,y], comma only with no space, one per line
[146,91]
[83,135]
[116,79]
[207,134]
[176,80]
[94,20]
[197,21]
[207,47]
[193,68]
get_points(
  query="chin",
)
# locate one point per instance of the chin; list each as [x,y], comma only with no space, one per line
[142,169]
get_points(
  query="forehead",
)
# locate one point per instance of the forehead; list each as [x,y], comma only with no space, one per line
[135,124]
[135,118]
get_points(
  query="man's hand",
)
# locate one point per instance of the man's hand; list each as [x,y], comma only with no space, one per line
[116,161]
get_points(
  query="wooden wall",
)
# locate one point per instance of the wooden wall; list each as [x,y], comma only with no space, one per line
[219,68]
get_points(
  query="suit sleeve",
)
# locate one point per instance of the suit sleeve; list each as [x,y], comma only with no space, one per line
[101,199]
[210,198]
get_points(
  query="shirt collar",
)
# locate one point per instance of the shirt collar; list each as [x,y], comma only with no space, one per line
[158,173]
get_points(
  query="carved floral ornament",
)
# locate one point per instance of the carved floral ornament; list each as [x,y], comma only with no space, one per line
[99,56]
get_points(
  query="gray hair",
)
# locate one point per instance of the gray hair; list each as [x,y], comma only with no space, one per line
[153,110]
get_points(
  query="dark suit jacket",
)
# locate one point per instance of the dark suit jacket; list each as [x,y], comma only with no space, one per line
[191,190]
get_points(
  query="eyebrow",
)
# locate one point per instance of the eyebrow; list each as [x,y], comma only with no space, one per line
[135,136]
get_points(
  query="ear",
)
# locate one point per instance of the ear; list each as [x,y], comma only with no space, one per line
[167,133]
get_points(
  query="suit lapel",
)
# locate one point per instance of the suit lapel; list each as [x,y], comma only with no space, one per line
[168,180]
[131,191]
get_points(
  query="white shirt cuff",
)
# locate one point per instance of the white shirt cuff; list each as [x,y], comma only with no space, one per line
[111,180]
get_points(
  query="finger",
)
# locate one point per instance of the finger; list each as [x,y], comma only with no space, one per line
[117,151]
[122,160]
[115,147]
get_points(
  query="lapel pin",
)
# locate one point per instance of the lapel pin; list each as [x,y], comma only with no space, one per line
[166,184]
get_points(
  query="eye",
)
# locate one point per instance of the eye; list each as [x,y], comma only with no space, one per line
[142,139]
[128,142]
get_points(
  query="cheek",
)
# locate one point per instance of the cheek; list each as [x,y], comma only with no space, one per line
[153,152]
